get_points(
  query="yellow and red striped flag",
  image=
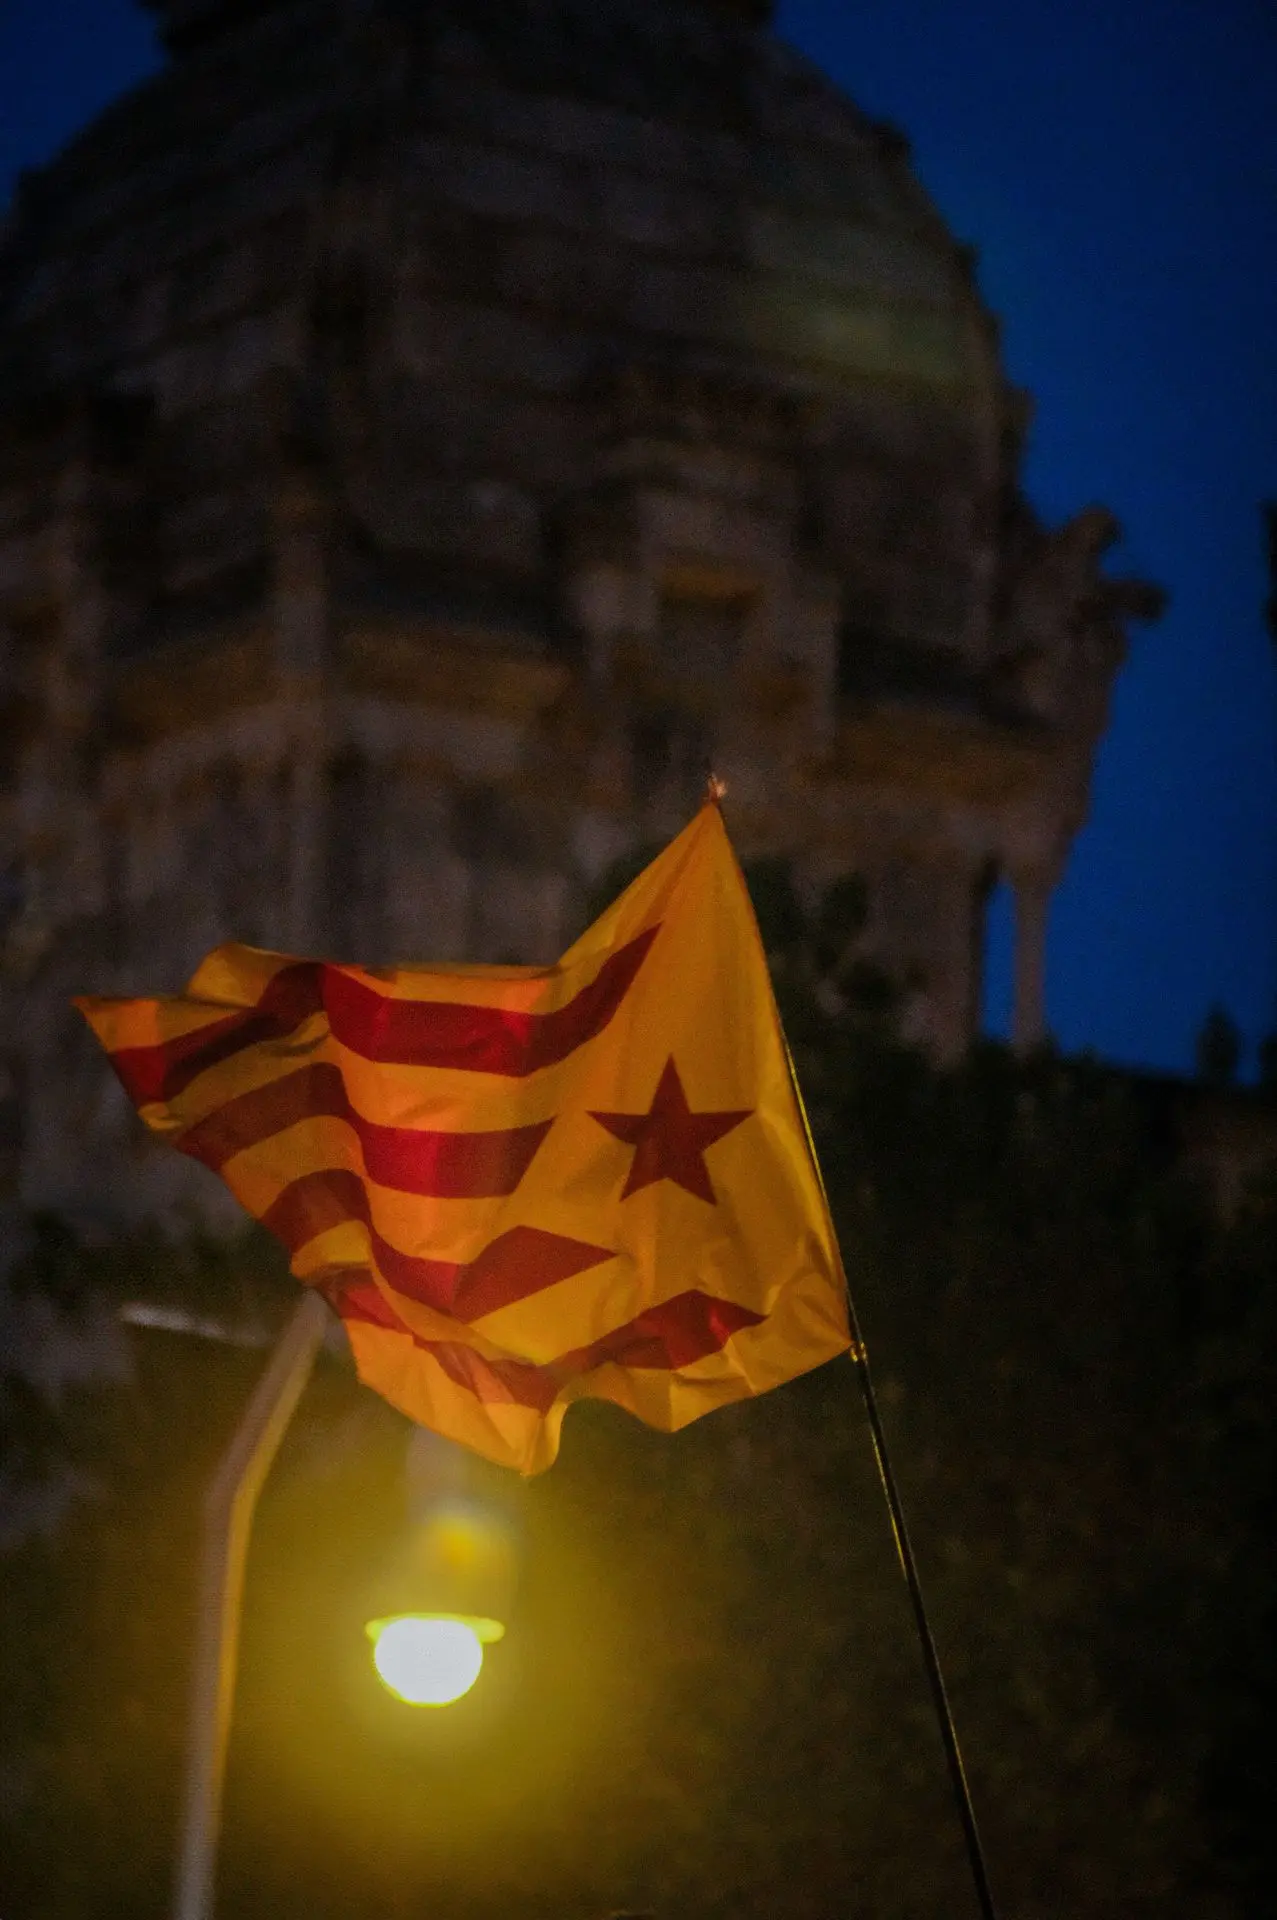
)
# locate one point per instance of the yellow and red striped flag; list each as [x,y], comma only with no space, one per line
[521,1186]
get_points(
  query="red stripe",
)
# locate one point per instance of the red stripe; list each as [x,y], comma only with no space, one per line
[670,1336]
[407,1033]
[162,1072]
[495,1380]
[516,1264]
[315,1203]
[439,1166]
[499,1381]
[440,1033]
[663,1339]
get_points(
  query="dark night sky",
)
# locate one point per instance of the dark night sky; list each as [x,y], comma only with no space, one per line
[1116,166]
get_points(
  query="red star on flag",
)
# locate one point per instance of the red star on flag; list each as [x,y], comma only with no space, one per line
[669,1140]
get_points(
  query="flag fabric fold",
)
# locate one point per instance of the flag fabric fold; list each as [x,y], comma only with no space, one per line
[521,1186]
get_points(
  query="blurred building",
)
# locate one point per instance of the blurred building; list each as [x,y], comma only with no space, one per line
[431,431]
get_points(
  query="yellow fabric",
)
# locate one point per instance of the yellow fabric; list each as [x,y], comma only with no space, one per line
[750,1230]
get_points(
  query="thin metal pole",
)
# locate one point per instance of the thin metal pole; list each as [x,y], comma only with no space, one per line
[926,1640]
[228,1518]
[904,1550]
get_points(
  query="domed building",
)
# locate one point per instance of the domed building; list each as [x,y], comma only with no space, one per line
[431,433]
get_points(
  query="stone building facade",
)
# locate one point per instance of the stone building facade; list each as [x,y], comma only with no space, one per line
[430,432]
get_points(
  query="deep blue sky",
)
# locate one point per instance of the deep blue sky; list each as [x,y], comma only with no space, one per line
[1116,166]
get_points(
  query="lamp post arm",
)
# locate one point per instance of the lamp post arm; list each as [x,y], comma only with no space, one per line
[229,1506]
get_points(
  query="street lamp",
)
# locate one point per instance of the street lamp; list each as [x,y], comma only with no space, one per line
[428,1659]
[444,1599]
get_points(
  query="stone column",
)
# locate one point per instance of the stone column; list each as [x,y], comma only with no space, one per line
[606,600]
[926,903]
[305,841]
[300,583]
[56,822]
[301,644]
[1033,893]
[53,799]
[959,894]
[600,597]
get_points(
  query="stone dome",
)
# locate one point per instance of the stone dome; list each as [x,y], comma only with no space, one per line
[430,431]
[615,181]
[456,255]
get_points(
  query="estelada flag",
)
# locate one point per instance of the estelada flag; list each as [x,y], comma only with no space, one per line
[522,1186]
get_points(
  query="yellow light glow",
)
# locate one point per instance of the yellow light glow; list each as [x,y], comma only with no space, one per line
[427,1660]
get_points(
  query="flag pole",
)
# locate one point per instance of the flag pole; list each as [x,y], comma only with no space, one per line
[926,1640]
[904,1549]
[715,793]
[229,1506]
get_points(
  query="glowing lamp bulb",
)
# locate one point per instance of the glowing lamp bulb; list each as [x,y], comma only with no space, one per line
[427,1661]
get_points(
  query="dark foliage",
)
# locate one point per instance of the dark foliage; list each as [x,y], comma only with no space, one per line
[1219,1049]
